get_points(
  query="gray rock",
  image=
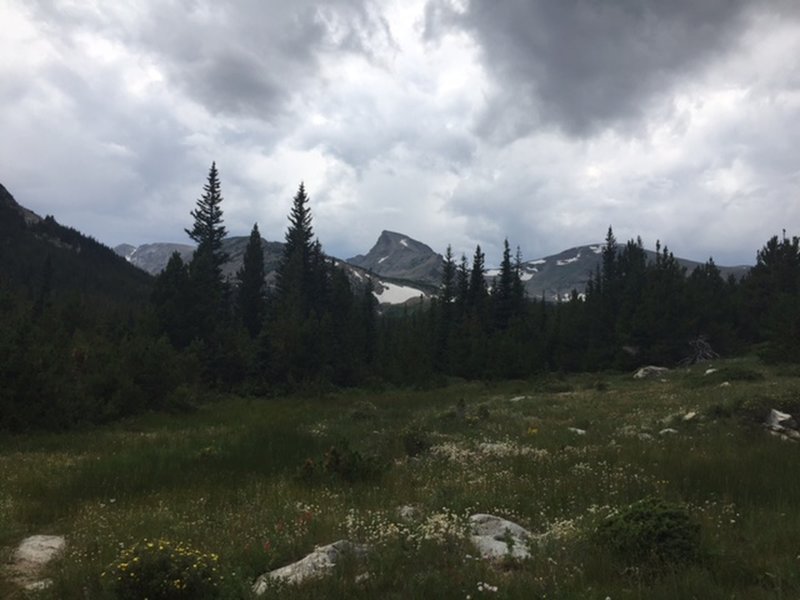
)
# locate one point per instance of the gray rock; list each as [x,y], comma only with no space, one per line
[576,430]
[668,431]
[690,416]
[710,371]
[495,537]
[31,557]
[778,420]
[649,371]
[314,565]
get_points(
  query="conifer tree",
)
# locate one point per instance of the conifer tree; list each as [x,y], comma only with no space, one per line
[208,230]
[209,291]
[251,284]
[477,282]
[172,302]
[502,292]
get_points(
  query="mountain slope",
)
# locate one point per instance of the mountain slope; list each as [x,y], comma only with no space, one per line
[36,252]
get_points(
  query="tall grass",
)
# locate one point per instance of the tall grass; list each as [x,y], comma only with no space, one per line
[226,480]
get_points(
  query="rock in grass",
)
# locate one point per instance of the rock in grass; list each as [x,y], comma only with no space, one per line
[649,371]
[312,566]
[576,430]
[668,431]
[496,538]
[31,556]
[780,420]
[783,425]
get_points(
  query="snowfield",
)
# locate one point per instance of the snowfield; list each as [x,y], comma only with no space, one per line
[396,294]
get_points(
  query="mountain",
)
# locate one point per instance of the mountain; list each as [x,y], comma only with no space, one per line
[388,290]
[555,276]
[402,269]
[39,253]
[398,256]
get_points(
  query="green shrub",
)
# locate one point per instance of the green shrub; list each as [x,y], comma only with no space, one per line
[650,533]
[416,442]
[343,463]
[350,465]
[164,570]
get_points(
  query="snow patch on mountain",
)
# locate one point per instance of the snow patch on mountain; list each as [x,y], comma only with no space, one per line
[566,261]
[392,293]
[596,249]
[404,242]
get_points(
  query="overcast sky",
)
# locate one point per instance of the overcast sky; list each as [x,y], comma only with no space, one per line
[452,121]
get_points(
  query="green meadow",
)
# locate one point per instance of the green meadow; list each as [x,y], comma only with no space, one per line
[259,482]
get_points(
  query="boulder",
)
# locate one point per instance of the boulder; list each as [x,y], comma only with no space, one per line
[649,371]
[668,431]
[316,564]
[496,538]
[783,425]
[30,558]
[576,430]
[710,371]
[780,420]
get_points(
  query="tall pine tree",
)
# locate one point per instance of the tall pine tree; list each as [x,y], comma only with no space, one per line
[251,284]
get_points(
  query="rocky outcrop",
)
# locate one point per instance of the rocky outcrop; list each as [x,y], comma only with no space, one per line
[650,371]
[31,557]
[782,425]
[316,564]
[496,538]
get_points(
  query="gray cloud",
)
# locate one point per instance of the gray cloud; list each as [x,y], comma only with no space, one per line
[583,66]
[540,121]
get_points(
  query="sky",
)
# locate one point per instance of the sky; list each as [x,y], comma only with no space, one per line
[457,122]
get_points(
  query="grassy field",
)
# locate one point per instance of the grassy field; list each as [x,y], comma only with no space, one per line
[254,482]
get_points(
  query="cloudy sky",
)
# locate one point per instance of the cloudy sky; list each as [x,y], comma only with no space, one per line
[453,121]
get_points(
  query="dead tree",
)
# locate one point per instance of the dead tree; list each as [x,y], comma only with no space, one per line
[701,352]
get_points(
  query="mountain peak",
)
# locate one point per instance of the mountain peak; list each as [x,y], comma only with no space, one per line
[400,256]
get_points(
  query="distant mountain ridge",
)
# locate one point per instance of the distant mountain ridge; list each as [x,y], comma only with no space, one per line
[554,277]
[388,289]
[403,268]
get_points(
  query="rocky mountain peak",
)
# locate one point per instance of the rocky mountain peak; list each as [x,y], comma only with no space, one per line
[400,256]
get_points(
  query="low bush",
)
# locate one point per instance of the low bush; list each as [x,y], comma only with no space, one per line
[649,534]
[416,441]
[164,570]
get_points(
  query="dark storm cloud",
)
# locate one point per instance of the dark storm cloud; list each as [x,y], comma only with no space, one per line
[584,65]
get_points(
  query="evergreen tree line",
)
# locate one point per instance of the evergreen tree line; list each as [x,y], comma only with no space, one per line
[634,311]
[73,354]
[314,326]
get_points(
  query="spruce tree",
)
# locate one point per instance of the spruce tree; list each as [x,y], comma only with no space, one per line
[208,289]
[208,230]
[251,284]
[502,292]
[477,282]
